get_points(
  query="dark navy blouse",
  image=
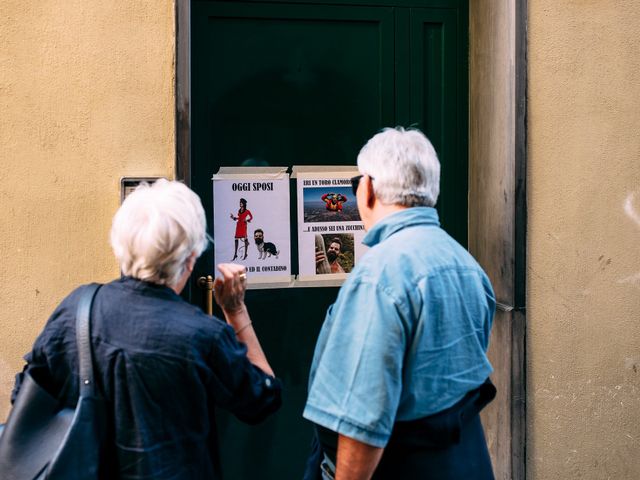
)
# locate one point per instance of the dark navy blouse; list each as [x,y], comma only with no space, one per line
[164,366]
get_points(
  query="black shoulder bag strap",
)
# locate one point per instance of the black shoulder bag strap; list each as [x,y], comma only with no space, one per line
[83,339]
[81,453]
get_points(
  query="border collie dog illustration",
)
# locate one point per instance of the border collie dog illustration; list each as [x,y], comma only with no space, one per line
[265,249]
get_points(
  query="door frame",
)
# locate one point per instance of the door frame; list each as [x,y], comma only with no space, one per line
[498,211]
[506,433]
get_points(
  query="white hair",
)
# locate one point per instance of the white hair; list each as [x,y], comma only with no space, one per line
[156,229]
[404,167]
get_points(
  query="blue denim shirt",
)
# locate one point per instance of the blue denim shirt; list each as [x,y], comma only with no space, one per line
[408,334]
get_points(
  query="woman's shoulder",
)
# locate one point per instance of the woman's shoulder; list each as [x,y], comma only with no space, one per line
[60,326]
[154,322]
[69,304]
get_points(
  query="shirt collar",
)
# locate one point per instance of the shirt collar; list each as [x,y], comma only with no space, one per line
[398,220]
[147,288]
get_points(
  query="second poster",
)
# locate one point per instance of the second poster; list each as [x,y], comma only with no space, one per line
[330,231]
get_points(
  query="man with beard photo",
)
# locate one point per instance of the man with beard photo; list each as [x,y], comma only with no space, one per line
[333,252]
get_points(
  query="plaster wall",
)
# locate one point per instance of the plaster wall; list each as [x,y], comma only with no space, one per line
[87,96]
[583,351]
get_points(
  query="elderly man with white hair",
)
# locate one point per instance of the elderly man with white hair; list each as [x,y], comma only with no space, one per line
[400,370]
[161,363]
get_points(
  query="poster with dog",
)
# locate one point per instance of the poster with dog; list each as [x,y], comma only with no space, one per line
[330,231]
[251,223]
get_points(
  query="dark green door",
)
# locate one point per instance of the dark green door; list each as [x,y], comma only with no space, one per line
[302,84]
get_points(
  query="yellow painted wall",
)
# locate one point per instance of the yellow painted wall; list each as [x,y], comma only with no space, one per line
[584,240]
[87,96]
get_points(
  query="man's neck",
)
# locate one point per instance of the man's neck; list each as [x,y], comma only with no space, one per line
[381,211]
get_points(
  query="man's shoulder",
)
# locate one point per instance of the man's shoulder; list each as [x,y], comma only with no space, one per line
[415,253]
[404,247]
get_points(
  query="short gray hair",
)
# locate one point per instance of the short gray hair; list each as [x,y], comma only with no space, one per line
[404,167]
[155,231]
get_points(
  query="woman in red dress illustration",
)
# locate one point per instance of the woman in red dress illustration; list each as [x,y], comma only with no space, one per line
[244,216]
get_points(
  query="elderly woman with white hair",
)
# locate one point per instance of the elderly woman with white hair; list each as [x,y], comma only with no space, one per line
[161,363]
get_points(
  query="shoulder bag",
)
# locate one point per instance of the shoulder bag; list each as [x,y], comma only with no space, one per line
[41,440]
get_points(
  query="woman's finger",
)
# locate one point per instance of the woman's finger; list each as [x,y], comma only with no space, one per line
[218,285]
[238,272]
[233,268]
[225,269]
[234,278]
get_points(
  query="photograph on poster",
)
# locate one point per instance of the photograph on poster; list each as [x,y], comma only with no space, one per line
[325,204]
[334,253]
[330,231]
[252,224]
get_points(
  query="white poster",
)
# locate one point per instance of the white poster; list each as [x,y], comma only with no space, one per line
[251,222]
[329,228]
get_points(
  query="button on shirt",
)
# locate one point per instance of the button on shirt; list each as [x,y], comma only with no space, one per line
[408,334]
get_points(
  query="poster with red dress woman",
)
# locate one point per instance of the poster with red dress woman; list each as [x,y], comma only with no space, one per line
[251,222]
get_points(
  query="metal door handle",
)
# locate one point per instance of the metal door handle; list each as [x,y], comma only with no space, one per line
[206,284]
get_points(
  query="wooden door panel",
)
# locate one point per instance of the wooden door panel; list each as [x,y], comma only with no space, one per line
[439,106]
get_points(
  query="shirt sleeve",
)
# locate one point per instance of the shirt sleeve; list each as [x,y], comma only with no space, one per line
[356,378]
[50,376]
[239,386]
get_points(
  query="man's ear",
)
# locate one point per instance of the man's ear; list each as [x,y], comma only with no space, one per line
[370,195]
[191,261]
